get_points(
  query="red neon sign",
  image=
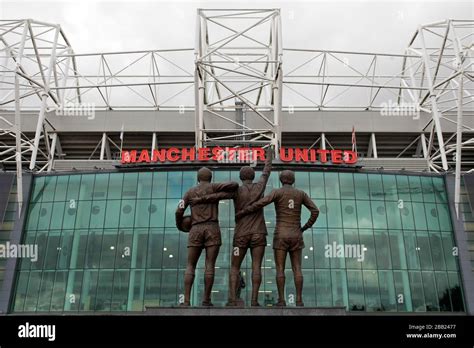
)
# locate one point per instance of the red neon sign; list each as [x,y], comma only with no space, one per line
[237,155]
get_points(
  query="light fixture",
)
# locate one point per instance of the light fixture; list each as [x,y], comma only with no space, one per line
[171,256]
[112,247]
[311,248]
[306,257]
[165,249]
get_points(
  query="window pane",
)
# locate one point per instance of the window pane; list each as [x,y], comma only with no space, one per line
[89,290]
[104,291]
[382,247]
[73,187]
[159,184]
[335,241]
[100,186]
[364,214]
[411,250]
[320,238]
[428,189]
[109,249]
[378,214]
[416,288]
[155,248]
[302,181]
[393,215]
[366,238]
[115,186]
[424,250]
[94,246]
[356,290]
[437,251]
[349,214]
[403,188]
[83,214]
[415,188]
[371,290]
[120,291]
[332,185]
[429,288]
[376,187]
[444,217]
[58,296]
[351,238]
[387,291]
[317,185]
[402,289]
[346,182]
[127,213]
[49,188]
[145,183]
[390,187]
[153,288]
[137,284]
[61,188]
[323,288]
[449,251]
[455,291]
[44,291]
[361,186]
[87,186]
[71,294]
[334,213]
[98,210]
[440,192]
[340,296]
[174,185]
[397,246]
[432,217]
[442,285]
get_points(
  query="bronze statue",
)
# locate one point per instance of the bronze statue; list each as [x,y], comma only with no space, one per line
[288,235]
[204,233]
[250,230]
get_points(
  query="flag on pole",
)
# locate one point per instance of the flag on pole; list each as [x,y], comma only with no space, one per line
[354,140]
[121,140]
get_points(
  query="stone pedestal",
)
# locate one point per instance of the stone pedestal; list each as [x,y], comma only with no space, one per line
[238,311]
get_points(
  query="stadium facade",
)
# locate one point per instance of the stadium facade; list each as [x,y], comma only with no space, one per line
[94,165]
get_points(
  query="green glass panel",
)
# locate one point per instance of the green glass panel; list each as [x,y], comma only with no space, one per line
[376,187]
[415,188]
[382,249]
[417,294]
[379,216]
[145,185]
[349,213]
[114,190]
[355,289]
[323,288]
[87,187]
[388,298]
[317,185]
[61,188]
[332,185]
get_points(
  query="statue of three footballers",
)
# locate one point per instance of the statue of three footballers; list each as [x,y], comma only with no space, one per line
[250,229]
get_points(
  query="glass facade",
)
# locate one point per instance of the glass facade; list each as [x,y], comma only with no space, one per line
[108,242]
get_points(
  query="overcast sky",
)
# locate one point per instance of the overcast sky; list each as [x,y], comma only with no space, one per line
[98,26]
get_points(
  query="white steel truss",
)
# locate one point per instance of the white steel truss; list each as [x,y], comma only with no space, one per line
[238,66]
